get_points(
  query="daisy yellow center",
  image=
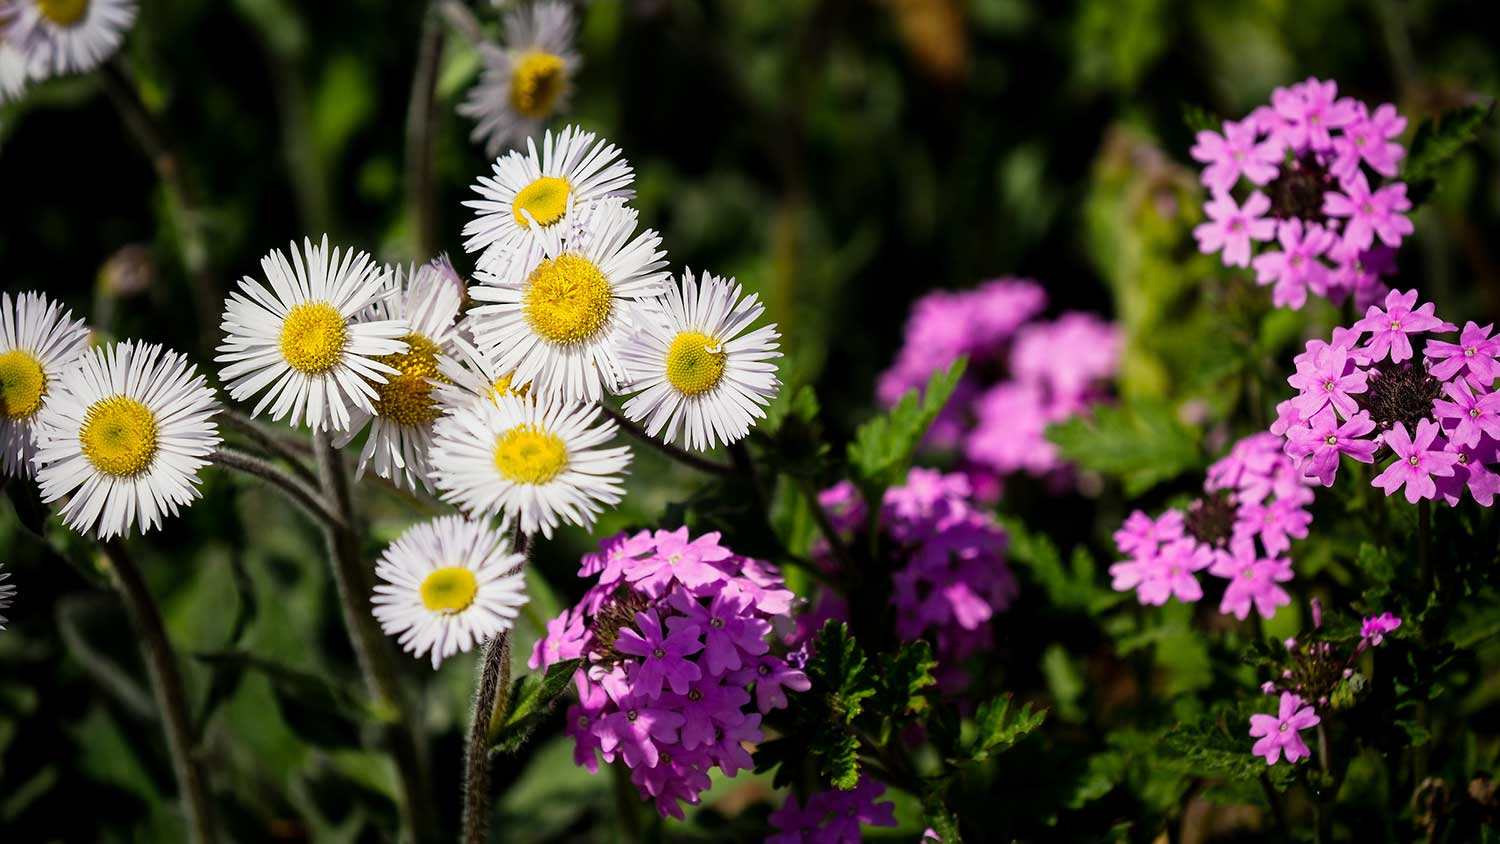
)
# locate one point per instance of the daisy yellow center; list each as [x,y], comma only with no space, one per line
[63,12]
[406,399]
[695,363]
[527,454]
[119,436]
[545,199]
[502,387]
[449,590]
[536,83]
[22,384]
[567,299]
[313,337]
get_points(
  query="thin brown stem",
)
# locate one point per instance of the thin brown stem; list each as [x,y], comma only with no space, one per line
[372,651]
[166,684]
[682,456]
[421,122]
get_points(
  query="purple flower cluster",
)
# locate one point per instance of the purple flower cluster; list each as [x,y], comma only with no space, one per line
[676,636]
[1306,163]
[949,574]
[1016,384]
[1369,396]
[832,817]
[1255,505]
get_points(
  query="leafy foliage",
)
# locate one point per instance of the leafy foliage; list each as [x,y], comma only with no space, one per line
[1438,141]
[1142,443]
[842,683]
[531,699]
[882,448]
[997,727]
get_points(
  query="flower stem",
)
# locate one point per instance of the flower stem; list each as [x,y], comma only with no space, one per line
[371,649]
[268,443]
[680,455]
[490,697]
[1424,545]
[300,492]
[825,526]
[461,18]
[166,684]
[1277,810]
[421,121]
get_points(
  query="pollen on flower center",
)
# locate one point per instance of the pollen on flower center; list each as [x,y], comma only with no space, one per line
[529,455]
[695,363]
[545,199]
[63,12]
[1332,440]
[313,337]
[536,82]
[568,299]
[119,436]
[23,384]
[406,398]
[449,590]
[502,387]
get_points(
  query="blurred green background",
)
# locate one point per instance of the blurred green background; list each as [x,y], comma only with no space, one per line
[841,157]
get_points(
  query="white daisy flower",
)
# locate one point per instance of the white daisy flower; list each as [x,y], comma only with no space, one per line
[529,462]
[695,372]
[427,302]
[7,591]
[562,305]
[526,81]
[125,433]
[572,172]
[12,70]
[302,339]
[469,376]
[38,341]
[448,585]
[66,36]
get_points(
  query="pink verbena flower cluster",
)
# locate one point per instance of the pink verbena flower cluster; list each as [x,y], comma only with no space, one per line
[1017,381]
[1304,166]
[1315,673]
[676,635]
[1369,396]
[948,571]
[832,817]
[1255,505]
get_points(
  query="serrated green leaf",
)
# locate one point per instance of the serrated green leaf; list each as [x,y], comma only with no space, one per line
[1141,443]
[1436,142]
[882,448]
[903,677]
[1199,119]
[531,699]
[837,750]
[1207,749]
[998,727]
[939,818]
[838,671]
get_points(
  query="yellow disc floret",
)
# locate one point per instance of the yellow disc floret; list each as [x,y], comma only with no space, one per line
[63,12]
[528,454]
[449,590]
[567,299]
[23,384]
[313,337]
[695,363]
[545,199]
[502,387]
[119,436]
[536,83]
[406,399]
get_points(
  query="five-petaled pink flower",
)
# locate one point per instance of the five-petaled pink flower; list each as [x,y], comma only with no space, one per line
[1252,581]
[1376,626]
[1296,267]
[1367,139]
[1236,153]
[1309,109]
[665,656]
[1389,327]
[1381,213]
[1232,227]
[1472,415]
[1475,351]
[1171,573]
[1323,439]
[1416,462]
[1280,733]
[1328,378]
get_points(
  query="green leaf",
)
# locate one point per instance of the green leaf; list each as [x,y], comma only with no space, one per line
[998,727]
[1207,749]
[838,672]
[1072,586]
[531,699]
[837,749]
[1141,443]
[903,677]
[939,817]
[317,711]
[882,448]
[1436,142]
[1199,119]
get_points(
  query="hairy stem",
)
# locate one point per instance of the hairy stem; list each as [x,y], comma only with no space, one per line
[421,121]
[305,496]
[682,456]
[166,684]
[270,444]
[372,650]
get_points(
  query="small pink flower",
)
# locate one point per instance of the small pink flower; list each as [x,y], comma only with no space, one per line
[1252,581]
[1141,533]
[1281,733]
[1323,439]
[1171,573]
[1416,462]
[1309,110]
[1232,227]
[1366,139]
[1235,153]
[1381,213]
[1376,626]
[1276,523]
[1329,379]
[1473,416]
[1296,267]
[1389,327]
[1475,352]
